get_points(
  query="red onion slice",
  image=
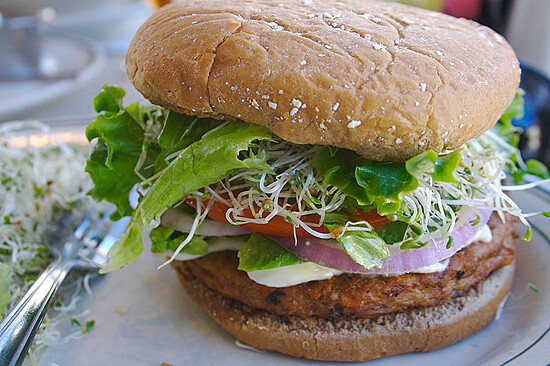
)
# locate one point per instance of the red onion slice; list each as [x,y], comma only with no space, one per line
[183,222]
[328,253]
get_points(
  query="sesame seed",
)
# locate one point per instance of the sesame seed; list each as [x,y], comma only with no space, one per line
[421,143]
[354,124]
[296,102]
[316,109]
[280,91]
[323,126]
[423,87]
[439,53]
[391,129]
[461,125]
[371,17]
[293,111]
[255,104]
[426,28]
[416,103]
[335,106]
[272,105]
[407,20]
[445,134]
[328,47]
[368,37]
[275,26]
[265,96]
[303,62]
[398,141]
[378,46]
[233,88]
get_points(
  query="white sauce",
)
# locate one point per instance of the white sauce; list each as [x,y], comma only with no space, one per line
[436,267]
[292,275]
[305,272]
[483,234]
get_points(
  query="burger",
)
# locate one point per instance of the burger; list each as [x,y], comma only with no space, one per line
[321,175]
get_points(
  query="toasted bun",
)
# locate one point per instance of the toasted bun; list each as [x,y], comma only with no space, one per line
[353,339]
[386,80]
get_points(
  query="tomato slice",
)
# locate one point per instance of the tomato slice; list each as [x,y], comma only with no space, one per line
[279,226]
[276,226]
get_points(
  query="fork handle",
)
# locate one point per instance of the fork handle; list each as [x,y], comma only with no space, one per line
[19,327]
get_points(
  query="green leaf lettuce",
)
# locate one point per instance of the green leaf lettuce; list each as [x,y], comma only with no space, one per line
[260,252]
[203,162]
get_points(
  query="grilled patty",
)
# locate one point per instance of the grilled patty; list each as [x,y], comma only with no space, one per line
[359,295]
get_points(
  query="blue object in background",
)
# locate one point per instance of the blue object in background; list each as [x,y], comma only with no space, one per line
[535,142]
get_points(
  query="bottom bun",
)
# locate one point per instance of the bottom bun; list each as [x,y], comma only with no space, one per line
[350,338]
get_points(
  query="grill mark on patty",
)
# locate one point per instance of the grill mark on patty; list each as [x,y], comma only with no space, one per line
[357,295]
[273,297]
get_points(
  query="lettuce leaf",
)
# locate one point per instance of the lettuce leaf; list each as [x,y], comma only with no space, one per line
[165,238]
[260,252]
[384,180]
[120,136]
[379,184]
[365,248]
[393,232]
[180,131]
[337,166]
[201,163]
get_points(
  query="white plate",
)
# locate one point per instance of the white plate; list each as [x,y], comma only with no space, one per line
[62,51]
[164,325]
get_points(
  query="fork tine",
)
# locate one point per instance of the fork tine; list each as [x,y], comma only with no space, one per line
[72,233]
[116,230]
[98,238]
[82,227]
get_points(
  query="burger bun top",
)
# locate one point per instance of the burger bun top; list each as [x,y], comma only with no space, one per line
[386,80]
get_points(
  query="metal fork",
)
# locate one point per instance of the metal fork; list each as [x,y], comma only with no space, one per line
[82,244]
